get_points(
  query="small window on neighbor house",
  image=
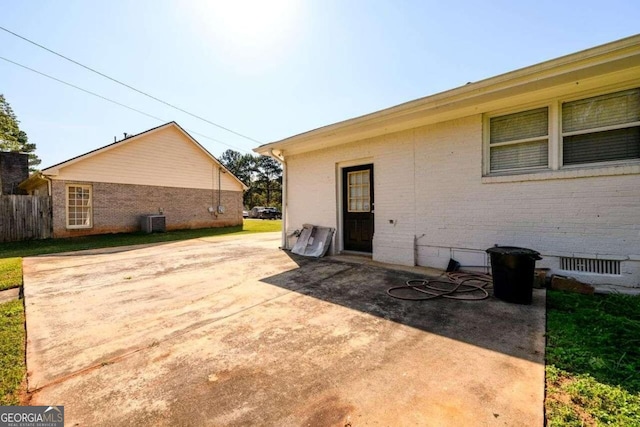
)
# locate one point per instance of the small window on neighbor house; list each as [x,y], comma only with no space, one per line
[519,141]
[603,128]
[359,191]
[79,212]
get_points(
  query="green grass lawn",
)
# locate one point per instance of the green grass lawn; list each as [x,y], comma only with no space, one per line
[39,247]
[593,360]
[12,366]
[10,273]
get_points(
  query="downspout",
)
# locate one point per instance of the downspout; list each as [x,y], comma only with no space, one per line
[213,209]
[49,185]
[50,193]
[280,158]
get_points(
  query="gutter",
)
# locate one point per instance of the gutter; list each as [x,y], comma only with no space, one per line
[49,185]
[280,158]
[33,179]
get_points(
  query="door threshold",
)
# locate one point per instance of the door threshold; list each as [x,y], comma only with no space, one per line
[357,253]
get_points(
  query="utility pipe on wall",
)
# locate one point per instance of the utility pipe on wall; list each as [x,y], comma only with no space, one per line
[49,185]
[280,158]
[213,209]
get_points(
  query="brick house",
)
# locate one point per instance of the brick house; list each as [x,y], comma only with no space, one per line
[546,157]
[160,171]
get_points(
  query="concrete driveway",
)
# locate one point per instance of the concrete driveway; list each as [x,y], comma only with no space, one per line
[231,331]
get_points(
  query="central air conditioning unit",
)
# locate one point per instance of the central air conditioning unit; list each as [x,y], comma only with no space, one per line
[154,224]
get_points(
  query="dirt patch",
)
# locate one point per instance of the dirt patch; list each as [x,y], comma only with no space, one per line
[327,411]
[557,396]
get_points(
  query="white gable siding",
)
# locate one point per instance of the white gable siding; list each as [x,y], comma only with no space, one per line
[428,187]
[165,158]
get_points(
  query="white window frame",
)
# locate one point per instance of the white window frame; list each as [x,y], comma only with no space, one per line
[555,167]
[486,130]
[66,202]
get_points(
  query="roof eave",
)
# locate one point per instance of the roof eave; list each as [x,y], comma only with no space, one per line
[33,181]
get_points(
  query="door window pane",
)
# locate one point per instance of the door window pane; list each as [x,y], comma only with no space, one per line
[359,191]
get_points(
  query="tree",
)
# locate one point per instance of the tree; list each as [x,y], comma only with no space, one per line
[269,176]
[241,165]
[12,138]
[262,174]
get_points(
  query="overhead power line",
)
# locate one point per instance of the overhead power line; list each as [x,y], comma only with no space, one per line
[129,86]
[113,101]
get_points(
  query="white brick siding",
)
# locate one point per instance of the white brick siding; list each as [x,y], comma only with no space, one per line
[429,189]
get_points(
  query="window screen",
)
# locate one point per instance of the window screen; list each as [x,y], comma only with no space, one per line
[527,124]
[520,156]
[602,128]
[520,140]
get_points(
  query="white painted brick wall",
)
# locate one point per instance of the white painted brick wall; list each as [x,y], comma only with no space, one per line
[395,200]
[313,186]
[428,181]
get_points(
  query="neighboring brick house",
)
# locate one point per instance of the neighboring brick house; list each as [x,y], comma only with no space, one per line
[545,157]
[159,171]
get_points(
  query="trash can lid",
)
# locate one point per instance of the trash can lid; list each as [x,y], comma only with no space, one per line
[512,250]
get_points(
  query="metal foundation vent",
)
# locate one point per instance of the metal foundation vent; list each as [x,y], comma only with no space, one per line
[589,265]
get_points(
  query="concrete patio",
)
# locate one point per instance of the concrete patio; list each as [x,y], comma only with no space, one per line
[232,331]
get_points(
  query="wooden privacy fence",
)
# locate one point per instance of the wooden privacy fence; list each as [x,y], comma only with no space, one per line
[25,218]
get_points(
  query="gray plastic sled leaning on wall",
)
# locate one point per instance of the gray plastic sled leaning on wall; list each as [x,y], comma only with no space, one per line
[313,241]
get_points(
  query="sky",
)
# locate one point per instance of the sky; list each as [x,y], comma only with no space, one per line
[268,69]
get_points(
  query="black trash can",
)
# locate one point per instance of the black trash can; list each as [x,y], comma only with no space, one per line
[512,269]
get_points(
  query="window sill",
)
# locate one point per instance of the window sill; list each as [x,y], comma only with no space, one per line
[568,173]
[82,227]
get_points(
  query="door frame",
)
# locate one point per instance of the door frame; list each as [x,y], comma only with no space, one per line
[339,236]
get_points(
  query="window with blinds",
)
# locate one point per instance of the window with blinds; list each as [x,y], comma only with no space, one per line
[603,128]
[519,141]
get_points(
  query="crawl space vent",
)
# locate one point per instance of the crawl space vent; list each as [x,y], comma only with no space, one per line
[588,265]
